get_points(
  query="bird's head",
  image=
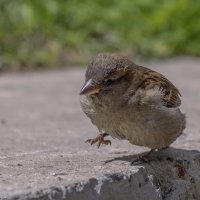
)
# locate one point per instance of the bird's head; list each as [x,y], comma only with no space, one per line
[107,72]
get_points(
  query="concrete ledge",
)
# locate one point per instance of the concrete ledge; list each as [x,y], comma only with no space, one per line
[101,175]
[41,123]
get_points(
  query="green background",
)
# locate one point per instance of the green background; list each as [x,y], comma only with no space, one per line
[54,33]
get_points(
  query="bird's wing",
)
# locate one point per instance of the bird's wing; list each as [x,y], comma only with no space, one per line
[152,79]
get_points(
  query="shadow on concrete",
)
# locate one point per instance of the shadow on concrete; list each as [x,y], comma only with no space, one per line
[170,154]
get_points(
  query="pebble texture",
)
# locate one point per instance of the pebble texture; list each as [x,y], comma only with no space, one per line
[43,154]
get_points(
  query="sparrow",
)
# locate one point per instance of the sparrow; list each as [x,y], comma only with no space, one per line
[130,102]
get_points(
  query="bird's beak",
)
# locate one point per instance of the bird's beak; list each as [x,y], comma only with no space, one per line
[90,87]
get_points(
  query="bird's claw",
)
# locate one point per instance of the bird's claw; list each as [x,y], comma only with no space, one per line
[144,158]
[106,142]
[140,160]
[100,140]
[91,141]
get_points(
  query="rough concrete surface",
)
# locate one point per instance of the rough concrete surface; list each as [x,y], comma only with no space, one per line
[43,154]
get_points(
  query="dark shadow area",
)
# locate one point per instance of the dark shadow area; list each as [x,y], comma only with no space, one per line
[170,154]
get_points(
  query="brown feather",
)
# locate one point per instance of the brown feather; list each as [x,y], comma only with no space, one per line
[152,79]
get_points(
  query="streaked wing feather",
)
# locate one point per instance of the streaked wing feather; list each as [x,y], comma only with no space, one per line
[171,95]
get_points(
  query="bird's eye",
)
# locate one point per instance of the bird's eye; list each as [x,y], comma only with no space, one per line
[109,81]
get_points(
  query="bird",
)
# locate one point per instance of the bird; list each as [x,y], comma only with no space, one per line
[130,102]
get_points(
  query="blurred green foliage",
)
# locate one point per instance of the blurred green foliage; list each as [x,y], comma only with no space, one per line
[48,33]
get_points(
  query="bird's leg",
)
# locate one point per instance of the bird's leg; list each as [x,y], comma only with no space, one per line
[99,139]
[144,157]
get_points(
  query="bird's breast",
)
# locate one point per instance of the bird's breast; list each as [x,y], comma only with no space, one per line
[148,126]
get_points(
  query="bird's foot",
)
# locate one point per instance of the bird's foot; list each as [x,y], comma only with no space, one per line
[147,158]
[100,140]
